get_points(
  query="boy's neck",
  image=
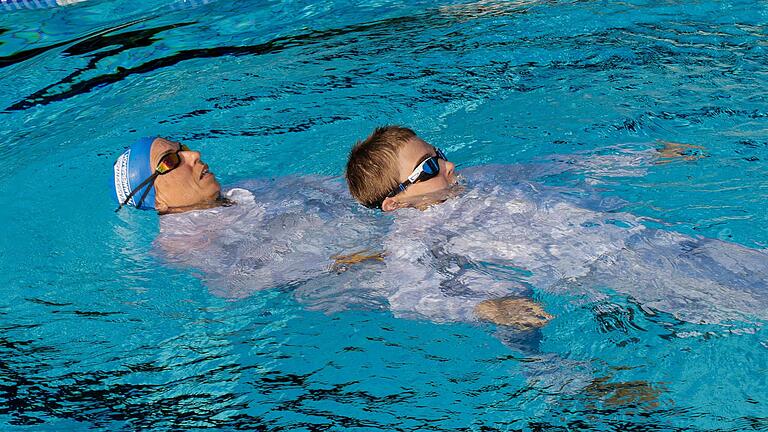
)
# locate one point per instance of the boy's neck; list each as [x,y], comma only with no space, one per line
[425,201]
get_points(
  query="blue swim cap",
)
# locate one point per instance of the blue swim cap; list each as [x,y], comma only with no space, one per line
[132,168]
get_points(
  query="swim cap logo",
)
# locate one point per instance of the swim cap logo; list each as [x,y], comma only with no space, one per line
[122,183]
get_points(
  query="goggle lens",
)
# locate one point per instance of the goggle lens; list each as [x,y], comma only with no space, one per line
[429,169]
[432,166]
[171,160]
[168,162]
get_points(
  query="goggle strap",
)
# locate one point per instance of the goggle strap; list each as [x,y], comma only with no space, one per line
[147,189]
[135,191]
[416,174]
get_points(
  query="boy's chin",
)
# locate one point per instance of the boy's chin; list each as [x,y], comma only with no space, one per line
[427,200]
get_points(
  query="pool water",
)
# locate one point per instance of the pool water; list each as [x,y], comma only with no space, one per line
[98,333]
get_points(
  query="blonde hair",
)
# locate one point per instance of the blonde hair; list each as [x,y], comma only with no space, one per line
[372,168]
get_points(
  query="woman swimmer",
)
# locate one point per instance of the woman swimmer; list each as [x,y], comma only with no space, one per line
[167,176]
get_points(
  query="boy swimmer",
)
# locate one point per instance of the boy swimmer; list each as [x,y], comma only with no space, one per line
[377,165]
[394,169]
[499,238]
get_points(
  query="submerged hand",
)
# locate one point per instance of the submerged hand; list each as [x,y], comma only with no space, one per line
[341,263]
[673,150]
[519,312]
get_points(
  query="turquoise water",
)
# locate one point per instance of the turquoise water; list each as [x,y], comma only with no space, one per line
[98,334]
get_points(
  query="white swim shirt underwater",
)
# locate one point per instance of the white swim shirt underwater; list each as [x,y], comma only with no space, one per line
[504,236]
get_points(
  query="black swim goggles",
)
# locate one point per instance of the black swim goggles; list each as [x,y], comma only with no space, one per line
[426,170]
[169,162]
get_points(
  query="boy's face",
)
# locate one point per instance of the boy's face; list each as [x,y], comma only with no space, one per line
[411,155]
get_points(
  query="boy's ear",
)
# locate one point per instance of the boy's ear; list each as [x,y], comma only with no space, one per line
[390,204]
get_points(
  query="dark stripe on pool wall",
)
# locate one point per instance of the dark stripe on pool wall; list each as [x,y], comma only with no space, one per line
[21,56]
[94,44]
[130,39]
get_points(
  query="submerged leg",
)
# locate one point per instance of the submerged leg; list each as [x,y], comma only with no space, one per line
[696,280]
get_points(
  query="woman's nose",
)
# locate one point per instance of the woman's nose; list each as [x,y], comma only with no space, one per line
[191,156]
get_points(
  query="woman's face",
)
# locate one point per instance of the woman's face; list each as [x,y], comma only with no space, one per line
[188,185]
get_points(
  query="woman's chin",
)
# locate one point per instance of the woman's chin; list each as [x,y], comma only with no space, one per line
[203,205]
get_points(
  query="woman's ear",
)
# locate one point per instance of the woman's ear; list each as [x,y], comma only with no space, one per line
[390,204]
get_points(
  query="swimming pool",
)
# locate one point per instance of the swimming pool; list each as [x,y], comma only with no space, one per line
[98,334]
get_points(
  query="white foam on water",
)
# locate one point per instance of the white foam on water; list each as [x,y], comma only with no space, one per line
[495,241]
[504,236]
[279,234]
[557,243]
